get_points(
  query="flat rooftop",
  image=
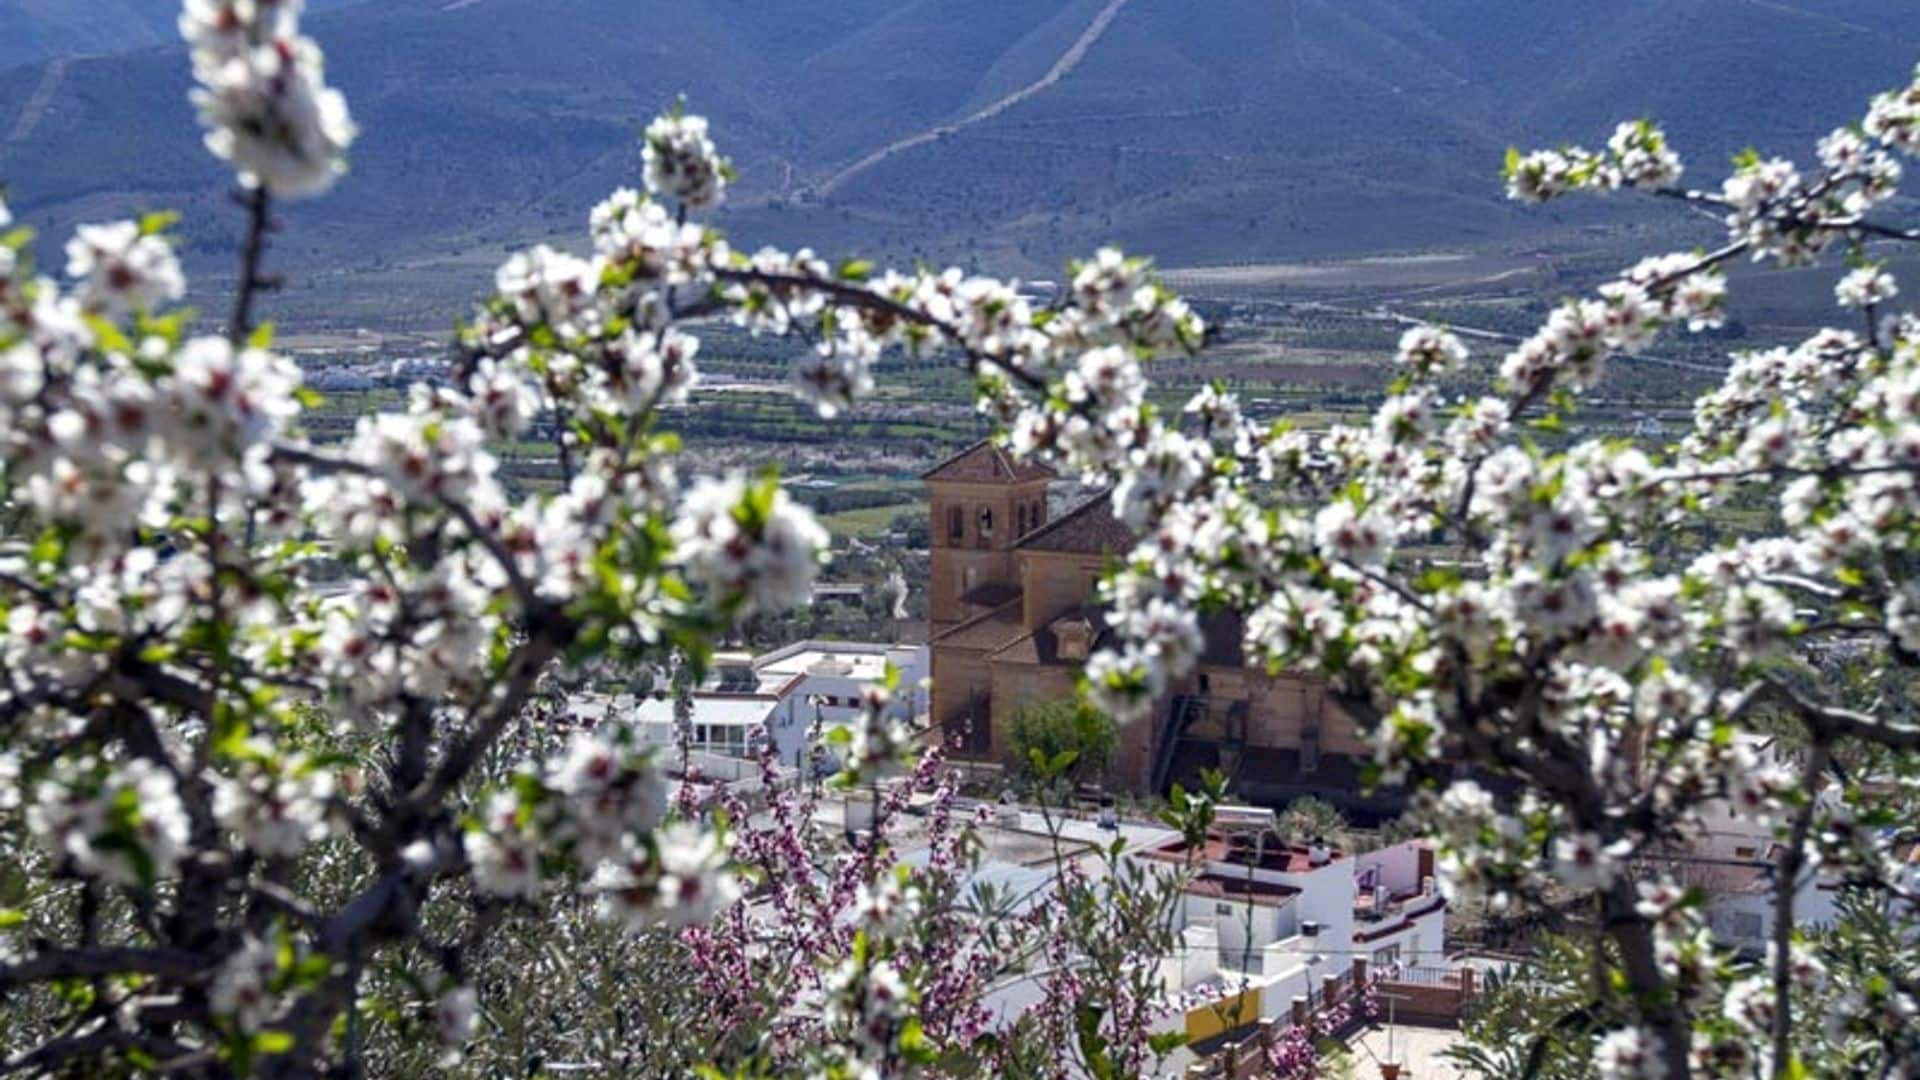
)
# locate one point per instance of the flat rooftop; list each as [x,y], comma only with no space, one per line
[729,710]
[861,661]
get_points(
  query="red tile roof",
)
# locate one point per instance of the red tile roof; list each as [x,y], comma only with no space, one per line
[986,463]
[991,595]
[989,632]
[1274,854]
[1087,529]
[1043,645]
[1228,887]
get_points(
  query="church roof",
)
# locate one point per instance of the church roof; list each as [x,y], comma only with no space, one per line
[991,595]
[986,463]
[1087,529]
[1042,646]
[988,632]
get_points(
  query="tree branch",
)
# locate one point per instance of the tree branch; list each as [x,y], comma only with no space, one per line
[103,960]
[252,252]
[1786,885]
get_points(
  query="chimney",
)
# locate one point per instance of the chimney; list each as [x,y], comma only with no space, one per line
[1073,637]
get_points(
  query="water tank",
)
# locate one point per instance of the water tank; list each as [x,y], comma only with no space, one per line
[1244,817]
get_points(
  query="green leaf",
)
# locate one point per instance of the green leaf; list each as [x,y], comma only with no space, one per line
[856,270]
[158,221]
[1093,1047]
[1167,1042]
[108,335]
[273,1042]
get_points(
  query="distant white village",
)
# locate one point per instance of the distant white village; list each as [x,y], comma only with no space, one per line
[1275,932]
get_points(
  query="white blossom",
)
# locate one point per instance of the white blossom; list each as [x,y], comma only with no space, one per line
[275,805]
[1868,286]
[1629,1054]
[682,878]
[125,825]
[121,269]
[243,989]
[269,112]
[681,161]
[456,1014]
[748,541]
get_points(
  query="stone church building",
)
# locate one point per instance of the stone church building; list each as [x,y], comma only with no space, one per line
[1013,615]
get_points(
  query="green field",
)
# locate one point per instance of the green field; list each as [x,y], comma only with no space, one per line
[868,521]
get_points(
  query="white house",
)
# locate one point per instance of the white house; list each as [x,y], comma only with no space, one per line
[1267,921]
[728,725]
[775,696]
[1734,858]
[824,681]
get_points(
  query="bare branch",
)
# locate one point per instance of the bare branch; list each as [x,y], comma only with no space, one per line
[1786,886]
[101,960]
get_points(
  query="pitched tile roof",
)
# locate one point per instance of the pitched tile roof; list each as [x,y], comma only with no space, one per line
[1087,529]
[1043,645]
[985,463]
[988,633]
[991,595]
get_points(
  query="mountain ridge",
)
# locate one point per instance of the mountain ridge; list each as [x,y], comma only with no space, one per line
[1260,130]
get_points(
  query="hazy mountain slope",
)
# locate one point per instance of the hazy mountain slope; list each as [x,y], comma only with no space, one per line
[1304,127]
[922,61]
[33,30]
[470,117]
[1228,130]
[1266,128]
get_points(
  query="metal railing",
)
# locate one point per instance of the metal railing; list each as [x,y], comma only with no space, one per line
[1424,976]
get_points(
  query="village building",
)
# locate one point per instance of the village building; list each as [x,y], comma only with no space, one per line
[1733,859]
[777,698]
[1013,614]
[1270,925]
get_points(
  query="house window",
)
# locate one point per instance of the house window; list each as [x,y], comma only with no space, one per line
[956,525]
[1746,924]
[1743,853]
[1222,909]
